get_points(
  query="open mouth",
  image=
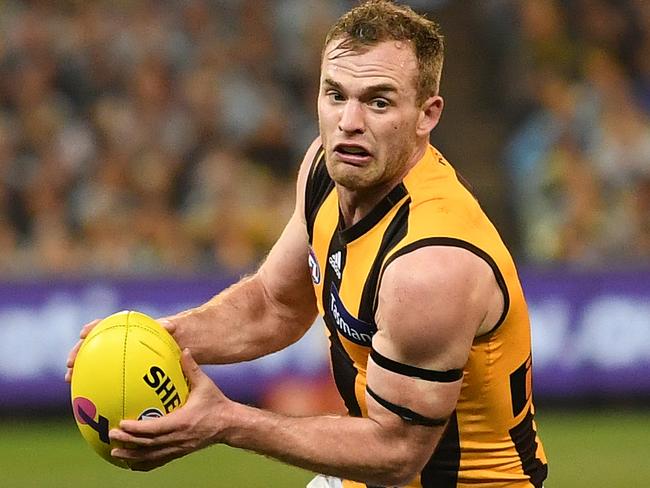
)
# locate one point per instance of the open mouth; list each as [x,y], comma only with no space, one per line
[351,151]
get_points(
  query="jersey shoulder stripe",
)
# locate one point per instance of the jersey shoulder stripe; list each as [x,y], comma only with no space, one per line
[395,232]
[319,185]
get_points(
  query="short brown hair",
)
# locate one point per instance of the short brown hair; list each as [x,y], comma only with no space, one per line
[375,21]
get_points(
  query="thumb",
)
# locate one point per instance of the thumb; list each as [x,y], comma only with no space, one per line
[192,371]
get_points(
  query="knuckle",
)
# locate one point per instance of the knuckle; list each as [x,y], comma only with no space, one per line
[184,424]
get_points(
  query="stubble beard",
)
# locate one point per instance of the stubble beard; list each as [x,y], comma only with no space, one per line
[374,177]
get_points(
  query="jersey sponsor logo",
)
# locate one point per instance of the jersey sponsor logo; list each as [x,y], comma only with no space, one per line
[335,263]
[350,327]
[314,268]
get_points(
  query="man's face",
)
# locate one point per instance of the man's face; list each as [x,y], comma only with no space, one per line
[368,114]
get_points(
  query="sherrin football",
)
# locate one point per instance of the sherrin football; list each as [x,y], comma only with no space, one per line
[128,367]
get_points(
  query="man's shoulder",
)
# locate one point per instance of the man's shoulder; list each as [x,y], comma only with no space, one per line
[433,265]
[434,295]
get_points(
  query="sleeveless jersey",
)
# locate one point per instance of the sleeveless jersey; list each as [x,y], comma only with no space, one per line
[491,438]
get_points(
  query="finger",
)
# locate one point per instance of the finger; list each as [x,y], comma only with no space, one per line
[146,456]
[168,325]
[142,440]
[192,371]
[150,427]
[148,465]
[129,439]
[159,460]
[72,355]
[85,330]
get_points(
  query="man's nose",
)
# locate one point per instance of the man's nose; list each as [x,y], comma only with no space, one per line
[352,120]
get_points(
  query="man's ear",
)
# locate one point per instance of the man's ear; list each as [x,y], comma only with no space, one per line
[430,113]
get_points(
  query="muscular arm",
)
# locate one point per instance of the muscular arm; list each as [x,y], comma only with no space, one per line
[432,302]
[264,312]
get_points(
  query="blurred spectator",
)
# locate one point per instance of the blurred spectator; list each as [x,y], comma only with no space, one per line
[579,159]
[130,142]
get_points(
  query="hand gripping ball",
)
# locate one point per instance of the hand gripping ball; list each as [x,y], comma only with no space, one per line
[128,367]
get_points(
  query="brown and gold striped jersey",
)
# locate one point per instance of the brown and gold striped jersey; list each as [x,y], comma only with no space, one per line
[491,439]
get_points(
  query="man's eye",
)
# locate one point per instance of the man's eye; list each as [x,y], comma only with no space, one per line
[335,96]
[379,103]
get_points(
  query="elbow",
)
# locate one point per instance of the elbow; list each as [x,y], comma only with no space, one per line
[403,466]
[400,476]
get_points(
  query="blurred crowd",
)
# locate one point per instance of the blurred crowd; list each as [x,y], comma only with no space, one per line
[148,137]
[579,100]
[152,136]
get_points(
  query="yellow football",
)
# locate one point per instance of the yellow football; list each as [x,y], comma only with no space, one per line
[127,368]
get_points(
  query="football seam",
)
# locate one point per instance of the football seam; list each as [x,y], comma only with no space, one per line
[126,340]
[172,344]
[88,340]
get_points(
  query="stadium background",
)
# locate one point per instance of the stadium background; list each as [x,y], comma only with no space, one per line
[147,152]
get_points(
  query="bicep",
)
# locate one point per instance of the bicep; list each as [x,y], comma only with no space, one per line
[431,305]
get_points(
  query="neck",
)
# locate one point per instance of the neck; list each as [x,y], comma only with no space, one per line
[355,204]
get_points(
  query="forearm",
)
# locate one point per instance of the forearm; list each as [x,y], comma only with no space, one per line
[348,447]
[239,324]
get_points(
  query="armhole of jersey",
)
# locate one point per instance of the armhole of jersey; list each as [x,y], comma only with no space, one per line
[319,184]
[453,242]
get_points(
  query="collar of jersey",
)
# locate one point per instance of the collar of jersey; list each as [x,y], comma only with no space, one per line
[374,216]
